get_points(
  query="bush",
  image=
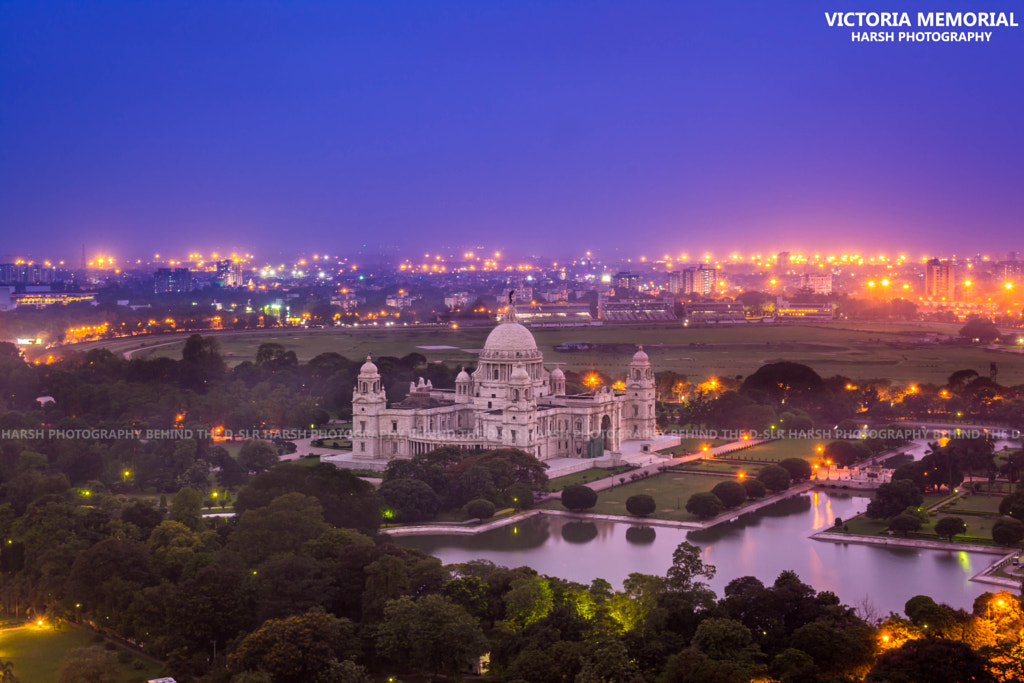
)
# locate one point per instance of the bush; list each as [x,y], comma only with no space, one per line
[704,505]
[798,468]
[480,508]
[906,523]
[731,493]
[774,478]
[578,497]
[754,488]
[640,505]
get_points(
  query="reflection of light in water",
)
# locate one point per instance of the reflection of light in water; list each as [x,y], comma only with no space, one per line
[828,511]
[515,530]
[965,560]
[818,522]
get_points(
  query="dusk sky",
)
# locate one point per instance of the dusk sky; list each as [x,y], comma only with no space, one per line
[534,127]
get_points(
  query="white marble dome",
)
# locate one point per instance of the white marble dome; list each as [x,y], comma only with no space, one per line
[510,336]
[557,374]
[368,367]
[640,356]
[463,376]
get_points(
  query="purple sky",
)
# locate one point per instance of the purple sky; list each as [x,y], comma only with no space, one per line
[536,127]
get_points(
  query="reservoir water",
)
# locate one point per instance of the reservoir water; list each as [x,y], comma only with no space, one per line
[762,544]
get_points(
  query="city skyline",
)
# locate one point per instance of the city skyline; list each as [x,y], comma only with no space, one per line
[549,129]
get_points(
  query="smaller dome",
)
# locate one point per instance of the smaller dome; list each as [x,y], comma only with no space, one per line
[640,356]
[463,376]
[557,374]
[519,376]
[368,367]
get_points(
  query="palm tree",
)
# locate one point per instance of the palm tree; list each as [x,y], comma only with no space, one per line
[7,672]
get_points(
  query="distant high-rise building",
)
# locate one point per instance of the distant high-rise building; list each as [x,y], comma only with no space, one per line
[229,273]
[25,274]
[940,280]
[675,281]
[169,280]
[626,280]
[699,280]
[782,261]
[819,283]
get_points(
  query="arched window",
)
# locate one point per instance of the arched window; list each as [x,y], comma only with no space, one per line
[495,373]
[515,394]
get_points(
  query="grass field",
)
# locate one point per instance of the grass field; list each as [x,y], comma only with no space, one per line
[593,474]
[979,526]
[670,492]
[986,505]
[777,451]
[37,653]
[687,446]
[857,350]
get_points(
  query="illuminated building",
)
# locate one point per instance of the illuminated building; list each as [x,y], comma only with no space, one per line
[510,401]
[785,310]
[940,280]
[170,280]
[819,283]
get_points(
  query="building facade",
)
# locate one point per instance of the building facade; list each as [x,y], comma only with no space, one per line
[940,280]
[509,401]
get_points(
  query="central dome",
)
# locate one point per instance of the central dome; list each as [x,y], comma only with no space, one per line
[510,336]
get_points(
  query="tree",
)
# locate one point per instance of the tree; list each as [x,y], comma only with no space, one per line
[89,665]
[578,497]
[906,523]
[257,456]
[528,600]
[754,488]
[1013,505]
[893,498]
[774,478]
[186,508]
[640,505]
[295,649]
[731,493]
[686,566]
[930,660]
[1008,532]
[980,329]
[847,453]
[430,635]
[950,527]
[480,508]
[7,672]
[798,468]
[408,500]
[784,381]
[704,505]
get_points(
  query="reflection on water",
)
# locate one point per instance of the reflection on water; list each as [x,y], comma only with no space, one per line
[760,544]
[579,532]
[641,535]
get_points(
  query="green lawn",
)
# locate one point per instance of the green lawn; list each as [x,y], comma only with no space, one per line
[37,653]
[776,451]
[593,474]
[688,446]
[718,466]
[670,492]
[988,505]
[856,350]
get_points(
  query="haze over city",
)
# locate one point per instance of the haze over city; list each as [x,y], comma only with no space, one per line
[535,128]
